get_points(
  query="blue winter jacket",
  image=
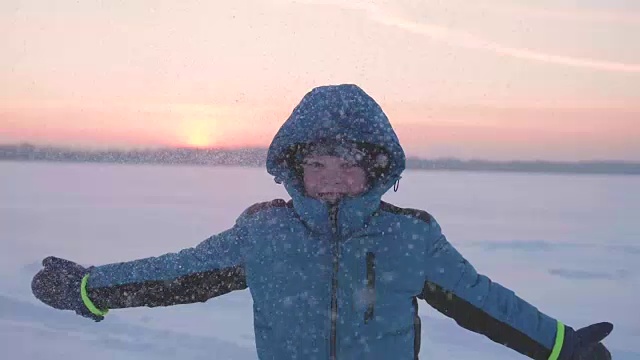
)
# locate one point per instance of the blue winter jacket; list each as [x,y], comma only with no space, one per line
[338,282]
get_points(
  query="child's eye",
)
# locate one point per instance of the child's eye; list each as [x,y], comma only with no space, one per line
[348,166]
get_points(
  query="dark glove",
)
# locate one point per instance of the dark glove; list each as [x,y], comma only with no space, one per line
[58,285]
[585,343]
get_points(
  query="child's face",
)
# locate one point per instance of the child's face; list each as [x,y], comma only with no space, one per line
[330,178]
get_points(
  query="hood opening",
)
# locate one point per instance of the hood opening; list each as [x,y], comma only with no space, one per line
[374,159]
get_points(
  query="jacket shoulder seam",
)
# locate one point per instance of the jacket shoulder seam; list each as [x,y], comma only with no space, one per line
[266,205]
[408,212]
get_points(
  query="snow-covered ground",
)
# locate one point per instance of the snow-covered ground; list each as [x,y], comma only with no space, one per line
[568,244]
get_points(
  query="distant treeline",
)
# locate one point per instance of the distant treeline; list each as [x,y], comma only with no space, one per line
[187,156]
[256,157]
[582,167]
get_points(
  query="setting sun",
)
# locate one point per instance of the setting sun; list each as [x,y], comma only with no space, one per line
[200,133]
[199,139]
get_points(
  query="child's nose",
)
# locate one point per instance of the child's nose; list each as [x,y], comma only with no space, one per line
[331,179]
[335,177]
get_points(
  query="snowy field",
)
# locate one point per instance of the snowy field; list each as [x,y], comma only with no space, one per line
[568,244]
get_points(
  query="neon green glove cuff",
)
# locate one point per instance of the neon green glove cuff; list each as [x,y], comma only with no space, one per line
[559,342]
[86,301]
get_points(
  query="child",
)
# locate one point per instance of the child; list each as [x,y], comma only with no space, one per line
[335,273]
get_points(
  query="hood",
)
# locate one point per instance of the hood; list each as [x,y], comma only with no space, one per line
[335,113]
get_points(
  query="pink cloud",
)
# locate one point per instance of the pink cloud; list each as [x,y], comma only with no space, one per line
[464,39]
[386,16]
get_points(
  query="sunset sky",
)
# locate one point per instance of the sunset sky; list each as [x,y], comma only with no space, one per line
[499,79]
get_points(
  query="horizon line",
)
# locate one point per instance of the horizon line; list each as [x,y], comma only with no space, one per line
[155,148]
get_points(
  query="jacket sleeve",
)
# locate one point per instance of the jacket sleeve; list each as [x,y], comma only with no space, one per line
[454,288]
[212,268]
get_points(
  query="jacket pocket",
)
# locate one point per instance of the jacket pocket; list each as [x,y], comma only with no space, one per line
[371,287]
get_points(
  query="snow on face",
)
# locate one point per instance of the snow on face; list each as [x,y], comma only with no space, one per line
[330,178]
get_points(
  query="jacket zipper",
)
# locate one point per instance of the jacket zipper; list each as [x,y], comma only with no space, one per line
[333,214]
[371,286]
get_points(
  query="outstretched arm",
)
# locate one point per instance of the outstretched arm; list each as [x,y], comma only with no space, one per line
[197,274]
[454,288]
[212,268]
